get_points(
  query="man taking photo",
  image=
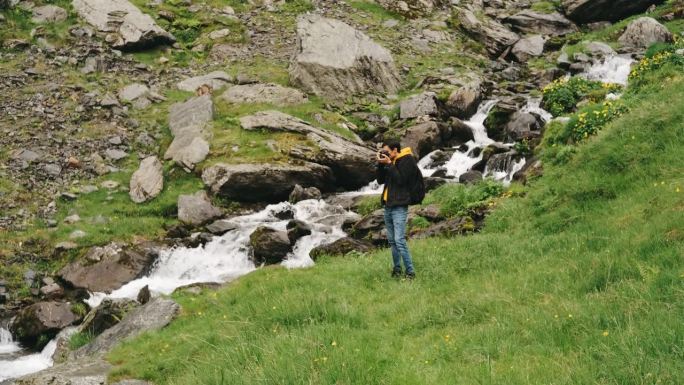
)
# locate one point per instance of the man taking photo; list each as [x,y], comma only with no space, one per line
[398,171]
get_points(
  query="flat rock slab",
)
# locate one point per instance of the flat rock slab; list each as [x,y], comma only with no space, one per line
[268,93]
[126,26]
[87,371]
[147,181]
[188,124]
[215,80]
[335,60]
[154,315]
[196,209]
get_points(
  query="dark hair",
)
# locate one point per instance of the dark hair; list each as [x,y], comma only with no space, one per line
[393,144]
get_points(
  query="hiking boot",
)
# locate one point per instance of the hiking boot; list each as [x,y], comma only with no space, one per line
[396,272]
[411,275]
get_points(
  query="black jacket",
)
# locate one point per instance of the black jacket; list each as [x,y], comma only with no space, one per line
[397,179]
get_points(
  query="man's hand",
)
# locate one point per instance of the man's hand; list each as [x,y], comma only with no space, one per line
[383,159]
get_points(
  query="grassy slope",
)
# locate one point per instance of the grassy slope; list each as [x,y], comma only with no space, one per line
[581,281]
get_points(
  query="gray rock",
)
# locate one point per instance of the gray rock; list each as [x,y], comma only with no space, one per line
[126,26]
[71,219]
[197,111]
[25,155]
[588,11]
[495,36]
[216,80]
[147,181]
[107,268]
[219,34]
[87,371]
[107,314]
[196,209]
[48,14]
[598,49]
[297,229]
[53,169]
[470,177]
[154,315]
[335,60]
[422,138]
[528,48]
[419,105]
[549,24]
[76,234]
[409,8]
[115,154]
[133,92]
[349,161]
[341,247]
[264,93]
[464,101]
[269,246]
[300,193]
[188,121]
[41,320]
[265,182]
[221,227]
[645,31]
[523,125]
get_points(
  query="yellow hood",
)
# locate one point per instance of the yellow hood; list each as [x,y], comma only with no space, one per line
[404,151]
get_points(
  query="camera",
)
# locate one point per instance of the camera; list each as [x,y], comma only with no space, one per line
[385,153]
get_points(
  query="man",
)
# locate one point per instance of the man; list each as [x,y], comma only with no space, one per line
[398,170]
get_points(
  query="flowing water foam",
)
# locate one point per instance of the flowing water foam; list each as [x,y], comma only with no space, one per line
[612,69]
[16,367]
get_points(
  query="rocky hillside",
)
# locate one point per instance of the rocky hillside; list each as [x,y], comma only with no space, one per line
[130,127]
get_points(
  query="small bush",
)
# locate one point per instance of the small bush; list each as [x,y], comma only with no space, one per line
[457,199]
[562,95]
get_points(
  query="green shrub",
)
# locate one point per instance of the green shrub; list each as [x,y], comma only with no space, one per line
[457,199]
[593,118]
[657,56]
[562,95]
[419,223]
[80,339]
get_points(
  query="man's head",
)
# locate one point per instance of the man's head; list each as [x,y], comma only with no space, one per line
[392,146]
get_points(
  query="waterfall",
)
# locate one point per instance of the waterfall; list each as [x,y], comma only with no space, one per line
[612,69]
[227,257]
[17,367]
[533,106]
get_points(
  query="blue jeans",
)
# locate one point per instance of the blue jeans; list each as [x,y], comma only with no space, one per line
[395,222]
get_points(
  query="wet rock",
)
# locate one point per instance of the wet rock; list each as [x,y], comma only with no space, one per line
[152,316]
[269,246]
[107,268]
[264,182]
[300,193]
[221,226]
[528,48]
[588,11]
[51,291]
[496,37]
[371,227]
[297,229]
[126,26]
[419,105]
[342,246]
[109,313]
[523,125]
[144,295]
[196,209]
[470,177]
[35,325]
[147,181]
[215,80]
[335,60]
[48,14]
[267,93]
[464,101]
[645,31]
[532,169]
[549,24]
[597,49]
[349,161]
[87,371]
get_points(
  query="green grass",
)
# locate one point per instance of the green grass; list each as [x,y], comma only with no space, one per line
[580,281]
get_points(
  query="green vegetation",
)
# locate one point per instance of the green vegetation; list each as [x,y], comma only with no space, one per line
[79,339]
[458,199]
[562,95]
[18,25]
[578,281]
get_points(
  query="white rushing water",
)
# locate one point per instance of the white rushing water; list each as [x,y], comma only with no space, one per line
[612,69]
[533,106]
[17,367]
[226,257]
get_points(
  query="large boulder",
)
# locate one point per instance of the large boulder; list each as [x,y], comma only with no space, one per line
[86,371]
[265,182]
[126,26]
[409,8]
[196,209]
[589,11]
[109,313]
[349,161]
[523,125]
[147,181]
[335,60]
[297,229]
[643,32]
[188,123]
[424,137]
[154,315]
[267,93]
[422,104]
[269,246]
[464,101]
[494,35]
[300,193]
[549,24]
[528,48]
[107,268]
[35,325]
[342,246]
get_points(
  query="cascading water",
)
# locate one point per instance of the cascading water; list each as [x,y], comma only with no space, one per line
[612,69]
[13,367]
[227,257]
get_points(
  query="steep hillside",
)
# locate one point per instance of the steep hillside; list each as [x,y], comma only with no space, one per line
[580,281]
